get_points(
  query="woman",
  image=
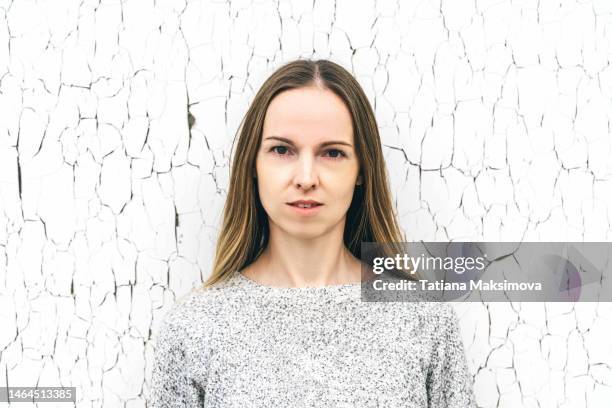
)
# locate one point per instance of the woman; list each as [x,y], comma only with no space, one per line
[280,321]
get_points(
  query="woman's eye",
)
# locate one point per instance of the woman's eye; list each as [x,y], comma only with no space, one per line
[279,147]
[339,152]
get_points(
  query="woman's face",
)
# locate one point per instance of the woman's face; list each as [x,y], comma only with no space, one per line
[307,153]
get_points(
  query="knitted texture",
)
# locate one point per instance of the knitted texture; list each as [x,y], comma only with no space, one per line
[244,344]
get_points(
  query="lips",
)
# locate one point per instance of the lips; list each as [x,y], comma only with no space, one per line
[300,205]
[305,207]
[310,203]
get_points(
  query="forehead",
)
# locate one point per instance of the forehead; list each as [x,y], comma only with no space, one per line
[308,112]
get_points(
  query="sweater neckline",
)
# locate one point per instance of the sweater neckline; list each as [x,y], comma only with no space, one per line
[340,288]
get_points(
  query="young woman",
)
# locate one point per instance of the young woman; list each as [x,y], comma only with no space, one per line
[280,321]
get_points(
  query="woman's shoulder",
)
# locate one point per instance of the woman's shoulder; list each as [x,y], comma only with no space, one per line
[441,310]
[209,302]
[209,295]
[428,319]
[438,314]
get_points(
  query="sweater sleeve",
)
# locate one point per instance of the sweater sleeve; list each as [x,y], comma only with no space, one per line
[449,382]
[171,384]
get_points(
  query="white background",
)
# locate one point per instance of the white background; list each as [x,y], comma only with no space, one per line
[495,118]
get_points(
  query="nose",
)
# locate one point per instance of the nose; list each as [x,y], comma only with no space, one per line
[306,176]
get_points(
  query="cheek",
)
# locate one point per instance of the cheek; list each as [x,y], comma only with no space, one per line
[340,186]
[270,187]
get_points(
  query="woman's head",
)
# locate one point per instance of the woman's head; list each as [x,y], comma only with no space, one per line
[279,158]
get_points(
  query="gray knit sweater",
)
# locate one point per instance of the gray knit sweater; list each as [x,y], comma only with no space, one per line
[244,344]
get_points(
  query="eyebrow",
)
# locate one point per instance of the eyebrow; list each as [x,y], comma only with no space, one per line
[330,142]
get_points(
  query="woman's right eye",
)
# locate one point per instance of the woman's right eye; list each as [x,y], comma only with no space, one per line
[279,147]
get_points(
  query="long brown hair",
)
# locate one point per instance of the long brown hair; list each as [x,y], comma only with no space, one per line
[370,218]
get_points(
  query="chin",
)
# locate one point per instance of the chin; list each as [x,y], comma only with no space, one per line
[305,231]
[302,230]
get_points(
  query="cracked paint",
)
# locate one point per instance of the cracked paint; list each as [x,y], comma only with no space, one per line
[116,127]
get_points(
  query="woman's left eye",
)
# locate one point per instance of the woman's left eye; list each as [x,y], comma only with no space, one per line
[340,152]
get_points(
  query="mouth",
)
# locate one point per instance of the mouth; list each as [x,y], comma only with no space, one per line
[305,209]
[305,204]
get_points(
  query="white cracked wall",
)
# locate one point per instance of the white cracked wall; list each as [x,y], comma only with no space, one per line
[495,119]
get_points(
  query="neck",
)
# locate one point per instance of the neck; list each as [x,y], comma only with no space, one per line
[297,262]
